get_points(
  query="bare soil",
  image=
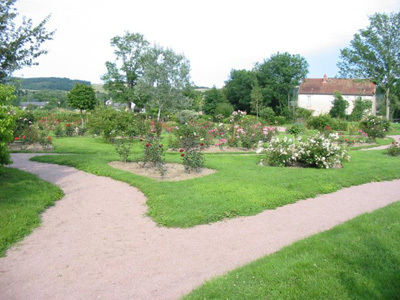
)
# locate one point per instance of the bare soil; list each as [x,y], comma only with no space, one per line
[35,147]
[175,172]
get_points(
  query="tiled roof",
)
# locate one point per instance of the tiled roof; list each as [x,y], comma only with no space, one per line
[327,86]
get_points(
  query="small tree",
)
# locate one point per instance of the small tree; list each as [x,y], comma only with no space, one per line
[82,97]
[339,106]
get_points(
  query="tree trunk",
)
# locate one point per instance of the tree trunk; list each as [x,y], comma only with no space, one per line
[159,114]
[387,103]
[83,122]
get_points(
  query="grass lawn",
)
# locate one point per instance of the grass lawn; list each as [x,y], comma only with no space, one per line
[359,259]
[239,187]
[23,197]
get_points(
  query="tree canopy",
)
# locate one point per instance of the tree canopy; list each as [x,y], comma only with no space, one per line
[238,89]
[123,74]
[20,45]
[81,97]
[374,54]
[166,75]
[278,76]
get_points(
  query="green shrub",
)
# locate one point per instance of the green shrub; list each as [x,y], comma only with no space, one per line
[186,116]
[224,109]
[268,114]
[123,146]
[295,129]
[302,113]
[394,149]
[361,107]
[375,127]
[320,122]
[280,120]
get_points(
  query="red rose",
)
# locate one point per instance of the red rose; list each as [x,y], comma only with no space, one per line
[181,150]
[148,145]
[182,154]
[23,137]
[16,138]
[201,144]
[49,138]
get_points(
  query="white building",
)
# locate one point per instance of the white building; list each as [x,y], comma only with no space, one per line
[316,94]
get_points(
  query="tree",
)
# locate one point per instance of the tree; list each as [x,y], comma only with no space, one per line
[256,99]
[82,97]
[212,98]
[238,89]
[19,46]
[164,81]
[361,107]
[123,74]
[338,109]
[7,122]
[278,76]
[374,54]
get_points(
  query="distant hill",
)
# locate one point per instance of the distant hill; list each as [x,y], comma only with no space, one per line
[49,83]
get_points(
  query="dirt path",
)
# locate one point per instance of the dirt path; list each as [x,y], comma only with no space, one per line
[95,243]
[395,137]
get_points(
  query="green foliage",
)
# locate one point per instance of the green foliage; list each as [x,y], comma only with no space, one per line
[374,53]
[81,97]
[186,116]
[23,198]
[123,146]
[123,74]
[320,122]
[268,114]
[375,127]
[108,123]
[153,153]
[19,45]
[394,149]
[338,109]
[223,109]
[166,76]
[212,98]
[302,113]
[295,129]
[238,89]
[361,107]
[278,76]
[7,122]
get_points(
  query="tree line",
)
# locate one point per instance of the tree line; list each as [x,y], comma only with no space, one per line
[158,79]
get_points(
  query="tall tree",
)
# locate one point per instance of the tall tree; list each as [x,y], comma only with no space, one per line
[123,74]
[82,97]
[19,45]
[374,54]
[238,89]
[278,76]
[212,98]
[166,76]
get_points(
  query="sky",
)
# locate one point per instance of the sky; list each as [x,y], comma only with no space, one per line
[216,36]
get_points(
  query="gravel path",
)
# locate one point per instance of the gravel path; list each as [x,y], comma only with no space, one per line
[96,243]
